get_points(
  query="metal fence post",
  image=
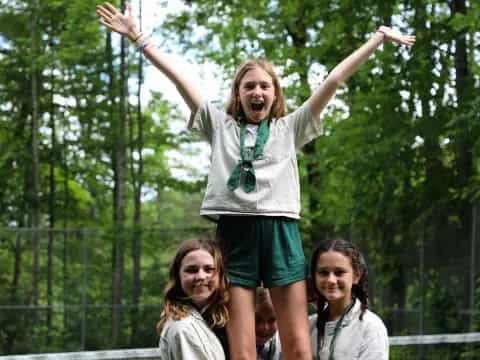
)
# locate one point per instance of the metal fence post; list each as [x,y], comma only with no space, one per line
[421,268]
[84,288]
[473,243]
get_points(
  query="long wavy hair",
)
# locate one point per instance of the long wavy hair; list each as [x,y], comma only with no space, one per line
[177,304]
[234,106]
[359,290]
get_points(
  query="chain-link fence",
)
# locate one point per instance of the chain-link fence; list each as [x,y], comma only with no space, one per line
[57,289]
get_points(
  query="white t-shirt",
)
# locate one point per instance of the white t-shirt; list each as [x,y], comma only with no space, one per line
[365,339]
[277,191]
[189,338]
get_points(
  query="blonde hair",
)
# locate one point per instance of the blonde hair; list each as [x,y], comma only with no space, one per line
[234,107]
[176,305]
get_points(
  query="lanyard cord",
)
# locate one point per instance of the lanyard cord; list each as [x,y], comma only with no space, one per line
[337,329]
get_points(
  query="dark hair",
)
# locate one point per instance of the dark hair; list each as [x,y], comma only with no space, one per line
[262,295]
[177,304]
[359,290]
[234,107]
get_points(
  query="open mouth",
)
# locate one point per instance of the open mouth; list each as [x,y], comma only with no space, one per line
[257,105]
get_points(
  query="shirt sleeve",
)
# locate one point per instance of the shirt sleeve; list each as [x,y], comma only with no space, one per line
[375,344]
[205,120]
[305,126]
[181,341]
[187,346]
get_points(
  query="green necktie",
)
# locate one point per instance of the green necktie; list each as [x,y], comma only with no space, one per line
[245,165]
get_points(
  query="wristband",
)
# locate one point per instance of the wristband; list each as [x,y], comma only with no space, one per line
[138,37]
[148,46]
[380,30]
[142,42]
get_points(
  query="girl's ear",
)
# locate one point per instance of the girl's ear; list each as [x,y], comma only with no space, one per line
[357,276]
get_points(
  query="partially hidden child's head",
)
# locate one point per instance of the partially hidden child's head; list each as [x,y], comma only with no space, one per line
[256,93]
[196,278]
[339,273]
[265,318]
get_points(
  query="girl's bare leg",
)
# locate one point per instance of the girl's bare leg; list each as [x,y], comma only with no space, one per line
[241,327]
[290,303]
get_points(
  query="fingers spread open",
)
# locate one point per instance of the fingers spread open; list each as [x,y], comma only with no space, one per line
[112,8]
[104,22]
[103,12]
[409,40]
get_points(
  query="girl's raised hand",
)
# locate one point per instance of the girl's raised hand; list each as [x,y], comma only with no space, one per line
[113,19]
[392,35]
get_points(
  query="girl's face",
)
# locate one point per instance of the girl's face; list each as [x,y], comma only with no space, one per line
[198,276]
[257,94]
[265,322]
[334,277]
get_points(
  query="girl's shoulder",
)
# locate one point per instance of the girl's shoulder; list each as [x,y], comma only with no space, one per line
[300,111]
[373,318]
[183,324]
[373,327]
[368,320]
[209,117]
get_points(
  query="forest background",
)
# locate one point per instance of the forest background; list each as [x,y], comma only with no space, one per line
[93,207]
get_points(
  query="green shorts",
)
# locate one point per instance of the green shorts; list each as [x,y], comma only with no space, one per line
[261,250]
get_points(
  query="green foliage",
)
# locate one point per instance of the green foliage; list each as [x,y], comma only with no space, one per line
[76,140]
[396,170]
[398,159]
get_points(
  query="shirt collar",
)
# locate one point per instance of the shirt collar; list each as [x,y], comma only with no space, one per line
[352,314]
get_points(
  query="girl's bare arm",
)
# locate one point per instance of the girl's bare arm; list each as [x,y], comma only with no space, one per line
[349,65]
[126,25]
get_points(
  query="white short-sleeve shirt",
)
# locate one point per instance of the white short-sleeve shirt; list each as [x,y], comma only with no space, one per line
[277,191]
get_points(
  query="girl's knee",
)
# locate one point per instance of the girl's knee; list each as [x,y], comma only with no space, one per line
[297,347]
[243,354]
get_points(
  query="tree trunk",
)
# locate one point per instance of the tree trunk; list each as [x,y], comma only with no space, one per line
[119,195]
[461,58]
[465,162]
[51,201]
[35,175]
[137,180]
[11,334]
[66,204]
